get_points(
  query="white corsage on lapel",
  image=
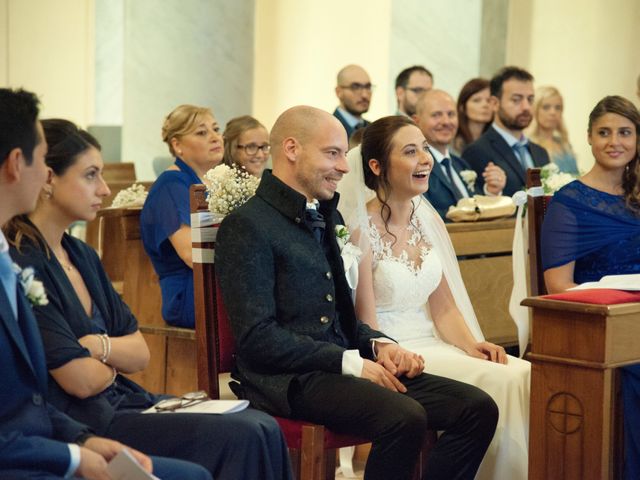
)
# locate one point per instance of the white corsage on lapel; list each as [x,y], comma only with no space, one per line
[32,288]
[350,255]
[469,178]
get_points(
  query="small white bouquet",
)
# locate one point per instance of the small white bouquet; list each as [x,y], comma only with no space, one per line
[133,196]
[33,289]
[229,187]
[553,179]
[350,255]
[469,178]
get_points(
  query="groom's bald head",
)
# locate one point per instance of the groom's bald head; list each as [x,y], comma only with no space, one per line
[309,149]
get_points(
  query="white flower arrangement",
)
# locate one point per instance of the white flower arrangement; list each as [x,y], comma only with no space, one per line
[229,187]
[469,178]
[133,196]
[553,179]
[350,255]
[33,289]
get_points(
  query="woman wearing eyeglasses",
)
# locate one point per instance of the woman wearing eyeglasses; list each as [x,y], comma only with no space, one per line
[193,136]
[246,144]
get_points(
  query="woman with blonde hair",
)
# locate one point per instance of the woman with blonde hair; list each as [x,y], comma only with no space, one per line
[193,137]
[548,130]
[246,144]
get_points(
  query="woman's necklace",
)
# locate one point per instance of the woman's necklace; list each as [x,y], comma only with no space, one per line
[68,267]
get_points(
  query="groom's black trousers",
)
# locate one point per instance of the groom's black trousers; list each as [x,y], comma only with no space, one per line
[396,423]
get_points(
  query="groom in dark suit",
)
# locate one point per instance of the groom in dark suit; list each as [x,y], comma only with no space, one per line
[437,117]
[301,352]
[37,440]
[504,143]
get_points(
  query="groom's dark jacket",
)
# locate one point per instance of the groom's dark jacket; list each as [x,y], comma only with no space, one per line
[286,295]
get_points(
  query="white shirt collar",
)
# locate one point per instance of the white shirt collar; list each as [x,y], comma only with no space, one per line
[510,139]
[313,205]
[4,245]
[438,157]
[351,119]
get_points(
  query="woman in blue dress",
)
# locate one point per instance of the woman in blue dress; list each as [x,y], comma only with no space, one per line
[592,229]
[193,136]
[91,338]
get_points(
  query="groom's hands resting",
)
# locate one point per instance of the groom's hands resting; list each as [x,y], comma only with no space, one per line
[393,361]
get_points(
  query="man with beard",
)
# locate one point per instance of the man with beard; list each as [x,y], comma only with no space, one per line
[503,143]
[353,89]
[437,117]
[410,84]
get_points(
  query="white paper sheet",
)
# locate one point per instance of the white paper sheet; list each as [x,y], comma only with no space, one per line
[125,467]
[210,406]
[629,282]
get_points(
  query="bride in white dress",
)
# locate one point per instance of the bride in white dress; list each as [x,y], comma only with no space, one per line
[410,286]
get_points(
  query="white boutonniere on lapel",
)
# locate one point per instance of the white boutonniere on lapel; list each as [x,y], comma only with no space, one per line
[350,255]
[32,288]
[469,178]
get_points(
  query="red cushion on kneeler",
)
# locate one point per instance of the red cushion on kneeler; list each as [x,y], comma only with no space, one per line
[598,296]
[292,430]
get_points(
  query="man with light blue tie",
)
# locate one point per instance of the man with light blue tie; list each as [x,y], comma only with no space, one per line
[37,440]
[504,143]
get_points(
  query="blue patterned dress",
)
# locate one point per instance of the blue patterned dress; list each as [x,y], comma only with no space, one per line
[602,235]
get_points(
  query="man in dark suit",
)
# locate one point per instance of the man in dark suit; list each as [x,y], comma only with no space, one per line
[504,142]
[301,352]
[451,178]
[353,89]
[36,440]
[411,83]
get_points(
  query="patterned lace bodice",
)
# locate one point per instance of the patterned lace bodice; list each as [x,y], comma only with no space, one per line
[403,281]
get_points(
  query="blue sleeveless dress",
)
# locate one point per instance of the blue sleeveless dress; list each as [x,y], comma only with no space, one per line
[165,210]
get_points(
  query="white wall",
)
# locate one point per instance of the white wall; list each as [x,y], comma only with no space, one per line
[48,48]
[301,44]
[586,48]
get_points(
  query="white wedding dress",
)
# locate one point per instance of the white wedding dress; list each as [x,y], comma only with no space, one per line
[402,286]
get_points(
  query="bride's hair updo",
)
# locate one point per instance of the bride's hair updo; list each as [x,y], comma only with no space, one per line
[377,142]
[631,176]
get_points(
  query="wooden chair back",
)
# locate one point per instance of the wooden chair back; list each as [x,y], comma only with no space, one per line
[119,172]
[537,208]
[214,340]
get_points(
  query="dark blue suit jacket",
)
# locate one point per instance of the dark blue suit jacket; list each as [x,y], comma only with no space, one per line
[440,193]
[33,434]
[491,147]
[345,124]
